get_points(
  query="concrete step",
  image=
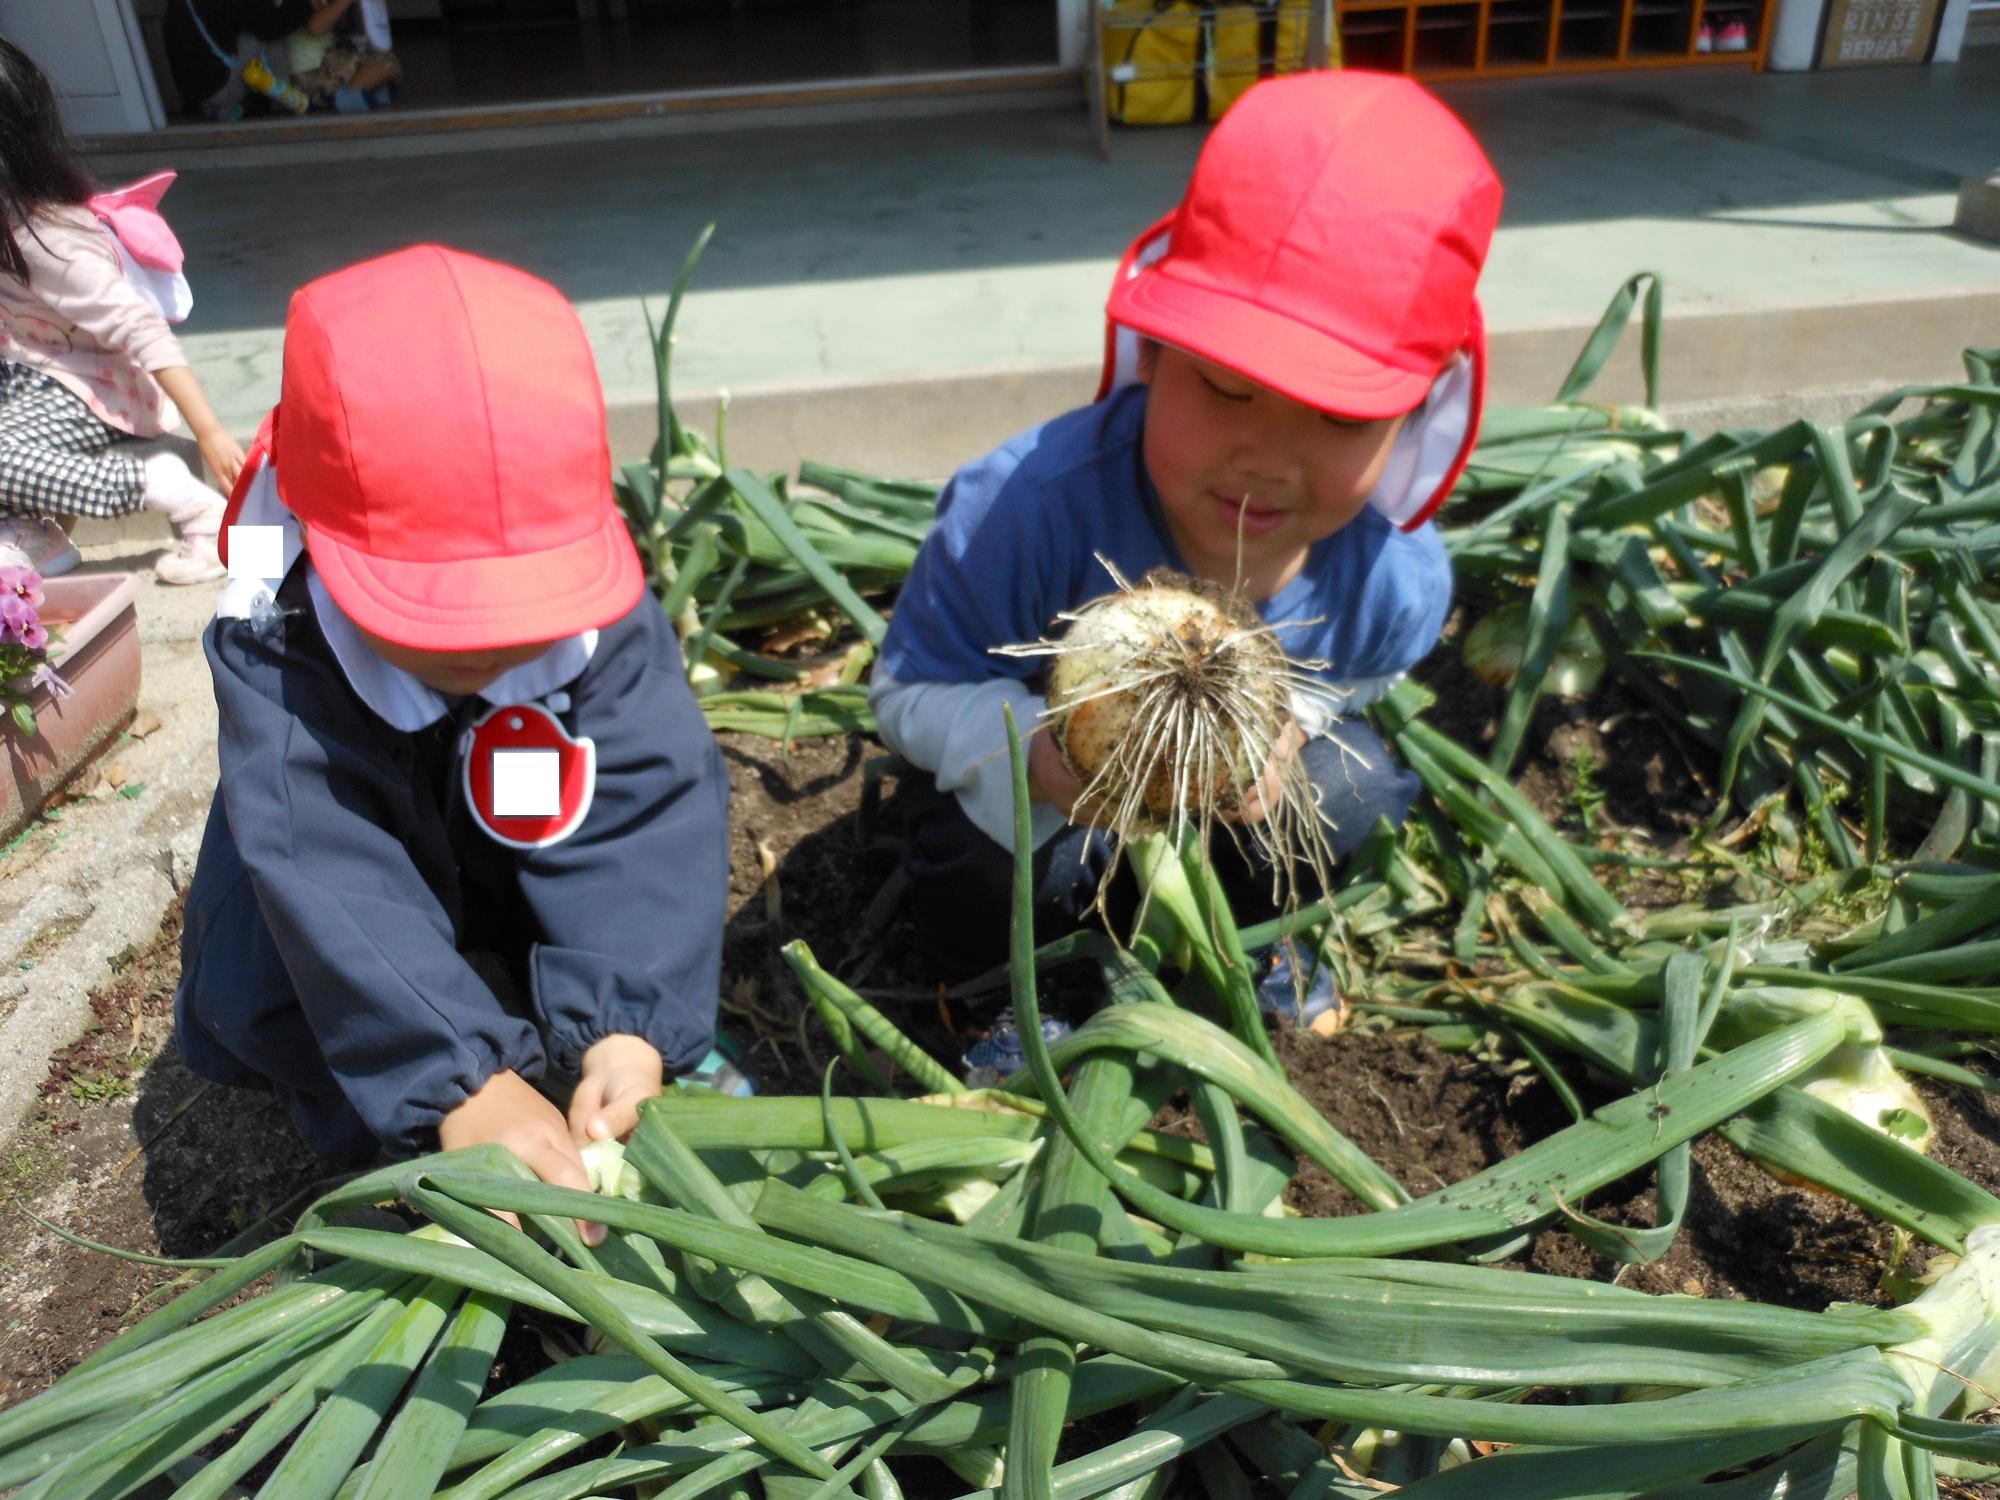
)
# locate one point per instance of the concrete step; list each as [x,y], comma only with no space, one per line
[378,135]
[1717,369]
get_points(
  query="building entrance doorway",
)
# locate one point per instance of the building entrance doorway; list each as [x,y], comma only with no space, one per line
[478,54]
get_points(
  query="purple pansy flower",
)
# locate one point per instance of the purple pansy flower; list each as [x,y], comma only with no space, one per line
[21,583]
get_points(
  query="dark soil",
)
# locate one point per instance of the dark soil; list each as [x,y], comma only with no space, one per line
[1602,770]
[1429,1117]
[798,815]
[131,1150]
[1433,1118]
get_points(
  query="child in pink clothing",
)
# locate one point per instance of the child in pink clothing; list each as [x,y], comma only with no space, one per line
[87,360]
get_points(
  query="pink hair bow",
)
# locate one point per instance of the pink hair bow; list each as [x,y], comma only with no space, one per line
[133,214]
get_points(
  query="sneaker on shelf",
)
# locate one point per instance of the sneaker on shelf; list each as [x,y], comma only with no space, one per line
[1704,40]
[1315,1005]
[195,558]
[33,542]
[1734,37]
[719,1071]
[997,1056]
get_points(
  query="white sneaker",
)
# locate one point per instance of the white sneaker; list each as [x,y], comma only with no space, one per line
[31,542]
[195,558]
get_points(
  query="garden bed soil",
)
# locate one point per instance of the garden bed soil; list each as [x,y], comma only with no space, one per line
[129,1149]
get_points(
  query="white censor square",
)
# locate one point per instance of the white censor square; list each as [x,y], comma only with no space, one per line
[257,552]
[527,784]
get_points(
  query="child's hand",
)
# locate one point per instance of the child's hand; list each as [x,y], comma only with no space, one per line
[219,450]
[512,1112]
[1050,780]
[1269,787]
[619,1074]
[223,455]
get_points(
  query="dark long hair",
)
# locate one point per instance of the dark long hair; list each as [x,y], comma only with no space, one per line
[39,167]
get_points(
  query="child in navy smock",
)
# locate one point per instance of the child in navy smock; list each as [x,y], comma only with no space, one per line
[471,826]
[1294,373]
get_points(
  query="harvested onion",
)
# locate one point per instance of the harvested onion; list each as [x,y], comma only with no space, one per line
[1169,700]
[1175,689]
[1494,648]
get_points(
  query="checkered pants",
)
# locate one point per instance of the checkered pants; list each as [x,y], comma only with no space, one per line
[54,452]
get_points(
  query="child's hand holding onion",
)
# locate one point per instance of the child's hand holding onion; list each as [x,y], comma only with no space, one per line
[1263,794]
[1051,781]
[512,1112]
[620,1073]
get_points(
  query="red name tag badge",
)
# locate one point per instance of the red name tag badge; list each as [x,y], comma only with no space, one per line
[527,782]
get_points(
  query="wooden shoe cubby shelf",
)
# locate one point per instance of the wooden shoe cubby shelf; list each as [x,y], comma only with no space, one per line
[1513,38]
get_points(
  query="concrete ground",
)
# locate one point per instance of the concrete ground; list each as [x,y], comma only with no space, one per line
[898,295]
[93,878]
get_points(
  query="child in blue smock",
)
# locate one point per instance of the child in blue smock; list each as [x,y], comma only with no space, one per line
[1294,375]
[471,833]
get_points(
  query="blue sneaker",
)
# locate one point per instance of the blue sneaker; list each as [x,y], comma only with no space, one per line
[350,102]
[720,1072]
[998,1055]
[1319,1009]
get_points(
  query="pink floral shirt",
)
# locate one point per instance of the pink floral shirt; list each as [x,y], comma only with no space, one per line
[80,322]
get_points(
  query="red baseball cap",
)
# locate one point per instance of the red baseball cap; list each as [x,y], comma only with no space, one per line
[1328,245]
[440,432]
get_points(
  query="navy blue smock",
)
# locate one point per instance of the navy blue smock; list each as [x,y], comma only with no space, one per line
[349,922]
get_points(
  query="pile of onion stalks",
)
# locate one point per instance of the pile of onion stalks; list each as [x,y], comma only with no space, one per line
[743,562]
[846,1296]
[1810,611]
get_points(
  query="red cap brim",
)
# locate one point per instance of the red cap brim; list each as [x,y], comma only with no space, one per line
[487,603]
[1306,364]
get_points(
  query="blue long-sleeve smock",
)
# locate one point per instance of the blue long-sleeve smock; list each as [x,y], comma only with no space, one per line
[1023,534]
[345,893]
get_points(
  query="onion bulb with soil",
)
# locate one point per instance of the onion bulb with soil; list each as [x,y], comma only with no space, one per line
[1170,700]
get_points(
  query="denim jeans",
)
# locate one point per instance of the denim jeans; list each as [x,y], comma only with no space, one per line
[961,882]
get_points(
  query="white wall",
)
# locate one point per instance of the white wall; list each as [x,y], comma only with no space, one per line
[90,50]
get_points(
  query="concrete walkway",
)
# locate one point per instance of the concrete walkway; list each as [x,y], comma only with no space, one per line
[94,877]
[899,294]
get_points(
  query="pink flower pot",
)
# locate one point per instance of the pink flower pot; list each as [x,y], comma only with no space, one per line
[97,617]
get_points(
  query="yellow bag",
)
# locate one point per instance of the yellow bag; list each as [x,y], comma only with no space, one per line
[1244,45]
[1151,49]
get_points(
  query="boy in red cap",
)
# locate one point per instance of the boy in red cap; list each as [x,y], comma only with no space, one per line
[1293,377]
[471,826]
